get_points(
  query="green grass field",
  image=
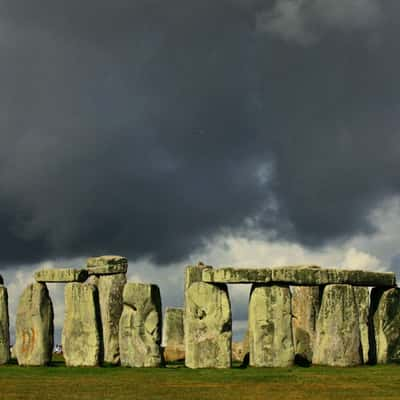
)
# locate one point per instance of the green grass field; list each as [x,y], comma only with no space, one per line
[177,382]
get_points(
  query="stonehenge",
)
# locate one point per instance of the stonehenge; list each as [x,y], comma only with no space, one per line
[297,314]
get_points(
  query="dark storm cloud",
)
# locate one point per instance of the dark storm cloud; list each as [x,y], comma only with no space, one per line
[146,127]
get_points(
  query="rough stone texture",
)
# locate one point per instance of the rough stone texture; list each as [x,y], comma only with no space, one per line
[304,275]
[34,326]
[362,299]
[4,327]
[140,326]
[105,265]
[270,326]
[110,289]
[194,273]
[174,353]
[208,326]
[237,352]
[81,335]
[337,340]
[385,318]
[61,275]
[305,308]
[173,327]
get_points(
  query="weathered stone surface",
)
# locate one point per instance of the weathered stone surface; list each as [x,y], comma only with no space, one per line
[207,326]
[305,308]
[385,318]
[61,275]
[237,352]
[140,326]
[362,299]
[174,353]
[34,326]
[110,288]
[270,326]
[193,273]
[337,340]
[173,327]
[81,335]
[105,265]
[4,327]
[304,275]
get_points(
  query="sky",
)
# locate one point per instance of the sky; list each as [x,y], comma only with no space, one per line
[235,132]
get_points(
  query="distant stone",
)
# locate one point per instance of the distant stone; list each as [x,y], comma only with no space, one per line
[337,340]
[173,327]
[237,352]
[110,288]
[305,308]
[270,326]
[4,327]
[174,353]
[237,275]
[34,326]
[105,265]
[140,326]
[81,335]
[362,299]
[385,309]
[62,275]
[207,326]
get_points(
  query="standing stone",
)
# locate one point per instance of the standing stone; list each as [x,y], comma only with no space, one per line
[208,326]
[385,318]
[110,288]
[361,294]
[173,340]
[270,326]
[337,341]
[81,335]
[4,327]
[34,326]
[140,326]
[305,308]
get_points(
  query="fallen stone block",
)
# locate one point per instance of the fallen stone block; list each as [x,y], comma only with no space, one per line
[34,326]
[270,326]
[105,265]
[140,326]
[81,335]
[4,327]
[61,275]
[337,340]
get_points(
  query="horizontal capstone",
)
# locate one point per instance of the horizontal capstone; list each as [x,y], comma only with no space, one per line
[105,265]
[62,275]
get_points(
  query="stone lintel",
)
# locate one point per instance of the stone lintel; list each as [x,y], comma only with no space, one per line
[62,275]
[106,265]
[305,275]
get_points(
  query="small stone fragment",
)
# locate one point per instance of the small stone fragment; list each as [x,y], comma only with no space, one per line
[173,336]
[34,326]
[270,326]
[105,265]
[208,326]
[305,308]
[4,327]
[61,275]
[362,298]
[337,340]
[140,326]
[81,335]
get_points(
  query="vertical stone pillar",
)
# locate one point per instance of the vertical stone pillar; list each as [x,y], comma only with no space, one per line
[81,335]
[337,341]
[4,326]
[108,273]
[362,299]
[140,326]
[385,326]
[208,323]
[173,335]
[270,326]
[305,308]
[34,326]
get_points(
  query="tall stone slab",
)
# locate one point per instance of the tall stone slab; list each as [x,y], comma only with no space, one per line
[207,326]
[270,326]
[305,308]
[173,334]
[337,341]
[81,335]
[34,326]
[363,301]
[140,326]
[385,326]
[110,288]
[4,327]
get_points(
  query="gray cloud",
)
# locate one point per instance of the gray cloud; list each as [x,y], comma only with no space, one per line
[144,129]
